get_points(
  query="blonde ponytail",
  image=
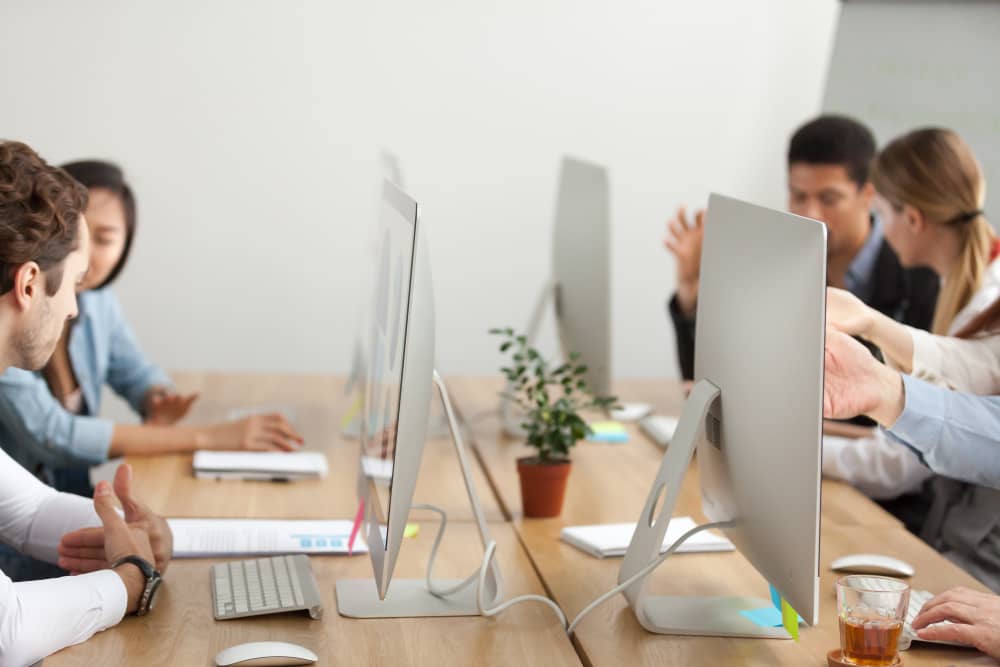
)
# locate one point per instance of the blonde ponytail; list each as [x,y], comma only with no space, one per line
[933,170]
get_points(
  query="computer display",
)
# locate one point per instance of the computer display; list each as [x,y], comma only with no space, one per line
[755,415]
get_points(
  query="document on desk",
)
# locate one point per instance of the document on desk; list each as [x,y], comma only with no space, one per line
[379,470]
[260,465]
[612,539]
[202,538]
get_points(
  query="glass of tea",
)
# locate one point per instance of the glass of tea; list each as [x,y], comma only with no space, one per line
[871,611]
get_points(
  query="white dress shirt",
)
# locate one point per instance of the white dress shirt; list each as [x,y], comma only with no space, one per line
[880,466]
[38,618]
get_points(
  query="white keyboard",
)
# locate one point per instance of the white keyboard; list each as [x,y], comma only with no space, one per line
[264,586]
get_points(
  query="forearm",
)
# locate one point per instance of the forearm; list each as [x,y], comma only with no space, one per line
[957,435]
[684,337]
[147,439]
[38,618]
[57,514]
[880,468]
[895,341]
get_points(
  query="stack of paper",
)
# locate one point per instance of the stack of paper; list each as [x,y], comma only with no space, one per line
[260,465]
[612,539]
[201,538]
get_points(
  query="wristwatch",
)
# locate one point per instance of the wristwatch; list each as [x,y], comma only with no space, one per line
[153,581]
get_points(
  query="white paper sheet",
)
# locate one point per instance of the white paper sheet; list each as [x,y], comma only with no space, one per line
[197,538]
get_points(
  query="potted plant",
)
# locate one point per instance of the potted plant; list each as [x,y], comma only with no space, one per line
[551,399]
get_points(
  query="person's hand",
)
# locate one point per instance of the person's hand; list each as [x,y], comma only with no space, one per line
[684,243]
[121,540]
[270,432]
[84,550]
[164,407]
[846,312]
[974,616]
[855,383]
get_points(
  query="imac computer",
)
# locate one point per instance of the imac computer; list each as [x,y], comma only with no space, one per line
[400,377]
[389,170]
[755,416]
[579,289]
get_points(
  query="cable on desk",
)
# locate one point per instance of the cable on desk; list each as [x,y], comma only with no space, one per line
[644,571]
[478,577]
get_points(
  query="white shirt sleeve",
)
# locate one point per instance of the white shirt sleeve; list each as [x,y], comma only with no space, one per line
[971,366]
[40,617]
[877,466]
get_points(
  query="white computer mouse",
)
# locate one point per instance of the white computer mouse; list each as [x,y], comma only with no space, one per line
[265,654]
[872,564]
[631,412]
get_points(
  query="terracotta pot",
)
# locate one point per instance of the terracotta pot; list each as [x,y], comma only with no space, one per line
[543,486]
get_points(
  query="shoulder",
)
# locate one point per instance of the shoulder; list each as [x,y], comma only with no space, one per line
[18,376]
[100,303]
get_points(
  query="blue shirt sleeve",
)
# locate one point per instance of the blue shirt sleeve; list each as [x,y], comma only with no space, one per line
[37,429]
[130,373]
[957,435]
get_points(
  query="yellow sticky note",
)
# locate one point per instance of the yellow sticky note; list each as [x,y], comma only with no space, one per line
[352,412]
[790,619]
[411,530]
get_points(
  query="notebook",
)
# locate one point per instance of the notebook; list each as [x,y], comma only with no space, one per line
[203,538]
[275,466]
[379,470]
[611,539]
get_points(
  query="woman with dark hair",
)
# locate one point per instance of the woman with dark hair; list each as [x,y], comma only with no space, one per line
[48,420]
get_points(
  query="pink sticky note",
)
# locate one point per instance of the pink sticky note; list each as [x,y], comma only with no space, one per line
[357,525]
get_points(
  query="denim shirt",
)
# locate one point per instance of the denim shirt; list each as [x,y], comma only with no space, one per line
[36,430]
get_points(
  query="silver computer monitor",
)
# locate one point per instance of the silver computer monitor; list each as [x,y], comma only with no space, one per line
[581,268]
[399,377]
[755,415]
[389,170]
[580,285]
[397,389]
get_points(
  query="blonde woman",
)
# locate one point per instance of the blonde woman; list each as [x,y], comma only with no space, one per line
[929,196]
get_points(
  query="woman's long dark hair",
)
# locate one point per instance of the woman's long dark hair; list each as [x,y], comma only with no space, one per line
[99,174]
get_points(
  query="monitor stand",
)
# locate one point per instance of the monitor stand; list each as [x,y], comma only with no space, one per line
[408,598]
[684,615]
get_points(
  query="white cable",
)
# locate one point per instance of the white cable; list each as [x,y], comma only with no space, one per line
[481,603]
[441,592]
[478,577]
[643,572]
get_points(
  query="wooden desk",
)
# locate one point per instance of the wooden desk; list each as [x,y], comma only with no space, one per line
[634,463]
[317,404]
[181,631]
[609,483]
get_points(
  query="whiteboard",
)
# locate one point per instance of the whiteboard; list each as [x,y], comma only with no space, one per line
[900,65]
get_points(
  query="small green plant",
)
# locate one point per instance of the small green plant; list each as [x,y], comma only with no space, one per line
[552,398]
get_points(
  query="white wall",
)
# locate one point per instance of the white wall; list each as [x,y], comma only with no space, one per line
[251,132]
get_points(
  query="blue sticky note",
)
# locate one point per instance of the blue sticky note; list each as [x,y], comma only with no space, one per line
[775,597]
[608,437]
[766,617]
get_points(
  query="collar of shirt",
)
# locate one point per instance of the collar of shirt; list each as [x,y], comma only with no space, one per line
[861,273]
